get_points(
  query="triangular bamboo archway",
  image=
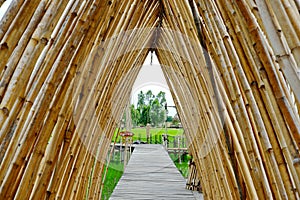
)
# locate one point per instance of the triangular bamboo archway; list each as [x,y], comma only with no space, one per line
[67,68]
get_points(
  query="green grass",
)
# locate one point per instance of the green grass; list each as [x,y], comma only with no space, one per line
[114,173]
[157,131]
[183,167]
[140,133]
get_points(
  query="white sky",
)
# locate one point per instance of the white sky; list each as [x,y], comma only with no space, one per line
[151,78]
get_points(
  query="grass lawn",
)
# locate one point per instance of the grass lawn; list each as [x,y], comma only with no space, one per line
[114,173]
[183,167]
[158,131]
[140,133]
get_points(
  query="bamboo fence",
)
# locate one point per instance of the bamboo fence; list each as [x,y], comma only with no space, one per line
[67,69]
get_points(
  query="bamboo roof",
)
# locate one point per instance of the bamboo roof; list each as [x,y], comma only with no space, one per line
[67,69]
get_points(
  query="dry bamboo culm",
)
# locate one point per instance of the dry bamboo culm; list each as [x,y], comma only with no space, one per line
[67,69]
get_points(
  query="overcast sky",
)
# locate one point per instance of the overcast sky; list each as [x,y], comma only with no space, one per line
[151,78]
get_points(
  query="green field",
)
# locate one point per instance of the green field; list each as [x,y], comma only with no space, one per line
[155,133]
[183,167]
[113,175]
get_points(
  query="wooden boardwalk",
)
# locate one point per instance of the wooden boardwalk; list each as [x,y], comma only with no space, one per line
[151,174]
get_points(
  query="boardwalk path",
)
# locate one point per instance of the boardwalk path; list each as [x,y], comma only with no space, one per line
[151,174]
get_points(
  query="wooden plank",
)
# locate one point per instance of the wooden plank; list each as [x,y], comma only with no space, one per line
[151,174]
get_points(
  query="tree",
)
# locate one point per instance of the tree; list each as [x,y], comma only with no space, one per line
[161,96]
[176,120]
[149,97]
[169,118]
[150,109]
[155,112]
[135,115]
[141,99]
[145,115]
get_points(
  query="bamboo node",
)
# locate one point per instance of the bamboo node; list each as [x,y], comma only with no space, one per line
[3,46]
[253,83]
[282,56]
[74,14]
[44,41]
[254,8]
[295,48]
[49,162]
[5,111]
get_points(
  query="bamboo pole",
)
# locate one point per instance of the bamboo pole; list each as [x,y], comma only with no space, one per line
[1,2]
[246,89]
[14,33]
[9,16]
[41,111]
[268,129]
[29,100]
[39,151]
[249,155]
[20,48]
[267,62]
[177,88]
[56,141]
[275,39]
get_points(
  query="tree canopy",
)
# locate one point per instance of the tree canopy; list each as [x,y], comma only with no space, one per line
[149,109]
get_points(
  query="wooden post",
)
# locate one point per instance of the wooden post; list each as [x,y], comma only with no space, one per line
[148,135]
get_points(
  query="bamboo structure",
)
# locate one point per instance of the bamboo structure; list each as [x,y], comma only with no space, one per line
[193,182]
[67,69]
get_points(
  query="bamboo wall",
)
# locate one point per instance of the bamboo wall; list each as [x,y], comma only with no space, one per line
[67,69]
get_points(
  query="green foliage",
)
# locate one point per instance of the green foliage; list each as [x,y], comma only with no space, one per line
[157,113]
[161,96]
[135,116]
[141,99]
[150,109]
[149,97]
[145,115]
[183,167]
[169,118]
[175,120]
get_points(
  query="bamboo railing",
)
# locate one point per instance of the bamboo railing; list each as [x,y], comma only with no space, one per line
[67,69]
